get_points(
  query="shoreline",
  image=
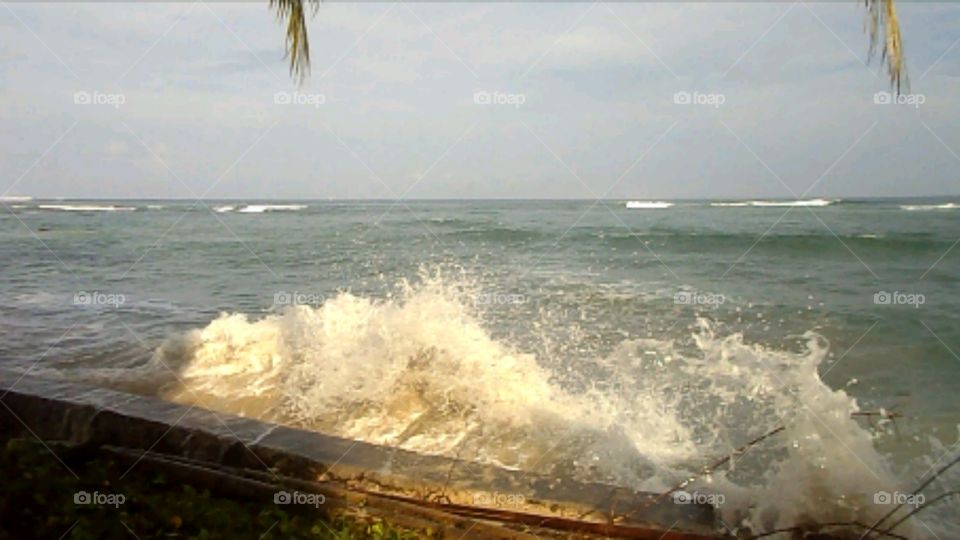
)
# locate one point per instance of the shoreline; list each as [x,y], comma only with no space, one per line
[243,457]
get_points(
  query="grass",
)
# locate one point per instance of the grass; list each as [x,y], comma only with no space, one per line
[37,500]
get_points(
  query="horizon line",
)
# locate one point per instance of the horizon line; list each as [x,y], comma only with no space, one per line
[25,198]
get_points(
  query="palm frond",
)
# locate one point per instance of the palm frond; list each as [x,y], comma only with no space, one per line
[298,44]
[883,24]
[881,19]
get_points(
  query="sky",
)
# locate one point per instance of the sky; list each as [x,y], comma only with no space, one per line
[474,100]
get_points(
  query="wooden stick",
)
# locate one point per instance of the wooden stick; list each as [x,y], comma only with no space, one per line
[706,470]
[914,492]
[819,526]
[921,508]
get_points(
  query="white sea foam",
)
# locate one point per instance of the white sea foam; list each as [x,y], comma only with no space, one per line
[419,371]
[802,202]
[85,208]
[261,208]
[15,198]
[648,205]
[921,207]
[729,204]
[223,208]
[775,204]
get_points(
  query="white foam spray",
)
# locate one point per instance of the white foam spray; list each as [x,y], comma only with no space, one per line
[418,370]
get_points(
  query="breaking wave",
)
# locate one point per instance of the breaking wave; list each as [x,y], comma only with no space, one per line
[778,204]
[85,208]
[261,208]
[920,207]
[649,205]
[418,371]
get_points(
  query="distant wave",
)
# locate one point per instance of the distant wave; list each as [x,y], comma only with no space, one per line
[15,198]
[648,205]
[776,204]
[916,207]
[800,202]
[220,209]
[726,204]
[85,208]
[261,208]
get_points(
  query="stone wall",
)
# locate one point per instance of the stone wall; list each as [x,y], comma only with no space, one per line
[59,410]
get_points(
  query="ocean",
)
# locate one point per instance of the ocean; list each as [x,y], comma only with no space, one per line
[631,344]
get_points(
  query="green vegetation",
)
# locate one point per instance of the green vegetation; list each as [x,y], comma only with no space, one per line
[37,500]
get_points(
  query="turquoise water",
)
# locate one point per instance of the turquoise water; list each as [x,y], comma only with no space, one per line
[674,329]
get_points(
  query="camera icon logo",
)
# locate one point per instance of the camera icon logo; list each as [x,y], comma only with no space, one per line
[82,98]
[882,497]
[682,497]
[882,298]
[882,98]
[81,497]
[682,98]
[282,98]
[282,497]
[481,97]
[283,298]
[82,298]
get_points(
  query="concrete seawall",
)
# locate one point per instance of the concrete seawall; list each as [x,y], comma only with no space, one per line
[154,431]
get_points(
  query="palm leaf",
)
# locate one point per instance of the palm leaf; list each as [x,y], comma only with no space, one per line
[882,18]
[298,44]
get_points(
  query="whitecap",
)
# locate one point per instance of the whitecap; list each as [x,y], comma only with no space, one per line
[799,202]
[261,208]
[921,207]
[729,204]
[85,208]
[648,205]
